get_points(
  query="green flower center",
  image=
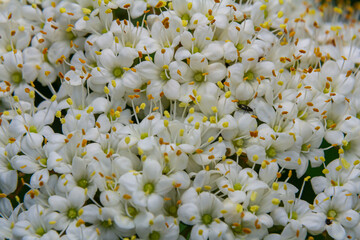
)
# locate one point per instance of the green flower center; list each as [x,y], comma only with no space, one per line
[185,17]
[305,147]
[237,229]
[108,150]
[111,118]
[330,123]
[326,90]
[166,169]
[43,161]
[196,50]
[9,166]
[132,211]
[40,231]
[144,135]
[129,44]
[249,75]
[237,186]
[110,184]
[107,224]
[70,35]
[163,76]
[347,146]
[16,77]
[207,219]
[294,215]
[254,208]
[8,48]
[33,129]
[149,188]
[271,152]
[46,59]
[199,77]
[83,183]
[104,31]
[238,143]
[277,128]
[154,236]
[332,213]
[302,115]
[173,211]
[239,46]
[266,13]
[118,72]
[72,213]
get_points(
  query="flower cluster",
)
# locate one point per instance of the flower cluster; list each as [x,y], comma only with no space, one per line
[182,119]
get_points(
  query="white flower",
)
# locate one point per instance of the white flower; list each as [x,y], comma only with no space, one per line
[204,213]
[200,42]
[9,217]
[12,71]
[167,36]
[147,189]
[339,173]
[81,175]
[134,38]
[69,207]
[242,224]
[160,75]
[331,79]
[236,182]
[113,69]
[75,232]
[299,216]
[103,220]
[137,7]
[8,176]
[236,38]
[158,227]
[245,76]
[337,206]
[37,222]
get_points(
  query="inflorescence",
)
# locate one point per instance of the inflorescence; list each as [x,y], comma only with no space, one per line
[182,119]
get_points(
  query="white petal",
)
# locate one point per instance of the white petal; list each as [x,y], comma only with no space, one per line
[349,218]
[155,203]
[8,181]
[151,170]
[24,164]
[314,222]
[108,59]
[181,177]
[334,137]
[336,231]
[213,51]
[280,216]
[39,178]
[77,197]
[217,72]
[137,9]
[319,184]
[172,89]
[59,203]
[187,211]
[198,63]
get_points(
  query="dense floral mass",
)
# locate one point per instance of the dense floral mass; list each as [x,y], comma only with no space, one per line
[183,119]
